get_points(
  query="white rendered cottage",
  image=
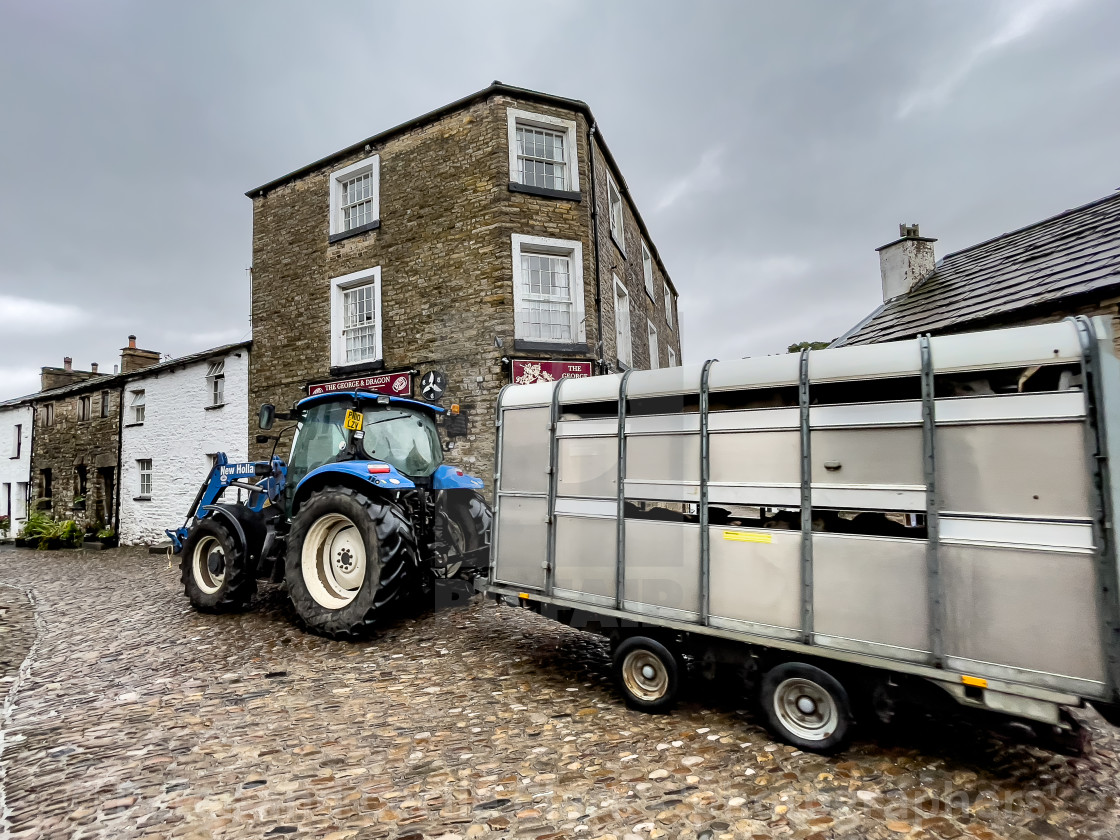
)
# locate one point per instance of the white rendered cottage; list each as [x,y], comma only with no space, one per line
[16,426]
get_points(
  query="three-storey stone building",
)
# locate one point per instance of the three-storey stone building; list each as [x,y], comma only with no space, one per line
[489,241]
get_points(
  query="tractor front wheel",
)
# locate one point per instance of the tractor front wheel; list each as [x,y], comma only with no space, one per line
[350,559]
[213,569]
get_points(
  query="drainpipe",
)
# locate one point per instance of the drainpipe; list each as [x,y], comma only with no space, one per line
[120,467]
[602,362]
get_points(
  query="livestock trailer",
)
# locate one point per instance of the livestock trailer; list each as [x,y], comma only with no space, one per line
[929,520]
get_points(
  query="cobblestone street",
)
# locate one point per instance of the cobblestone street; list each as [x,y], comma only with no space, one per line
[139,718]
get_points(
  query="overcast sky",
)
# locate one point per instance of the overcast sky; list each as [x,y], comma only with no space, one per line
[771,147]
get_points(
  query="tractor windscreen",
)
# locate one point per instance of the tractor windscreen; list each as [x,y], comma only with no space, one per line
[405,438]
[320,438]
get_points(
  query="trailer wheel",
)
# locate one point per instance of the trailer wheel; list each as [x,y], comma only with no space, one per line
[213,569]
[647,672]
[350,560]
[806,707]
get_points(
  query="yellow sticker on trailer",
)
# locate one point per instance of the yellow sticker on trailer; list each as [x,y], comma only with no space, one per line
[353,420]
[739,536]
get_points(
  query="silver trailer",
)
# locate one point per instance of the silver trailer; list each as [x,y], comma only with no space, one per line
[848,529]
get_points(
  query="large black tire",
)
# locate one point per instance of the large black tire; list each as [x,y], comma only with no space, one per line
[647,674]
[351,560]
[806,707]
[214,572]
[463,523]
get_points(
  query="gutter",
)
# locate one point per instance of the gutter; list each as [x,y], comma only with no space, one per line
[591,130]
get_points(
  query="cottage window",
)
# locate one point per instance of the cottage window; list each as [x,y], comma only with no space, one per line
[45,482]
[145,467]
[614,199]
[355,197]
[48,414]
[104,403]
[17,440]
[622,323]
[137,406]
[356,317]
[672,356]
[542,151]
[85,407]
[647,271]
[668,306]
[216,382]
[548,289]
[653,359]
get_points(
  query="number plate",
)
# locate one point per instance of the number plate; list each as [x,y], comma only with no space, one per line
[353,420]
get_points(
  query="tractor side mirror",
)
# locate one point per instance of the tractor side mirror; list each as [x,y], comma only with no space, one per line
[267,416]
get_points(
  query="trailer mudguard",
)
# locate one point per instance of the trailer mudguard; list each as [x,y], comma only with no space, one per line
[447,477]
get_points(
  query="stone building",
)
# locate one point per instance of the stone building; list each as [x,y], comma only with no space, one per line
[489,241]
[178,416]
[1066,265]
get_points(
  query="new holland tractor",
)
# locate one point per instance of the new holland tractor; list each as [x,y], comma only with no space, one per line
[363,521]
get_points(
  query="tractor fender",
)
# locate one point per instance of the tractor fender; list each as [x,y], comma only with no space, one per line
[447,477]
[354,474]
[248,529]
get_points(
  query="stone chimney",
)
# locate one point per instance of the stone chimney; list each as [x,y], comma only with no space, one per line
[93,367]
[133,358]
[68,364]
[57,377]
[905,262]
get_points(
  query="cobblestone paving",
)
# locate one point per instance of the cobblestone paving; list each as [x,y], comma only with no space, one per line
[141,718]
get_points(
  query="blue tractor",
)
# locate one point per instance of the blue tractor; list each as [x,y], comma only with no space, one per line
[362,520]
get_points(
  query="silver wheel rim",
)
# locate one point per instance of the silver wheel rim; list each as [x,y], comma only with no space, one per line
[806,709]
[206,580]
[334,561]
[645,675]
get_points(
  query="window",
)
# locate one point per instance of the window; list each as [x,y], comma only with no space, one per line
[216,381]
[622,323]
[17,440]
[104,403]
[548,289]
[672,357]
[138,406]
[48,414]
[45,483]
[542,151]
[80,482]
[668,306]
[85,407]
[653,362]
[647,270]
[614,199]
[145,466]
[355,197]
[356,317]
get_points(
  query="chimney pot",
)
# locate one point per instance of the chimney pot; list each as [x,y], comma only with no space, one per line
[68,363]
[132,341]
[93,367]
[115,368]
[905,262]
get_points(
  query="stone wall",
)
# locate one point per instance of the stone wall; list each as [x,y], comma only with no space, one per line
[15,467]
[181,429]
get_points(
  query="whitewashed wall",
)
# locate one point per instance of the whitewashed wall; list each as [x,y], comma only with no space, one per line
[15,472]
[178,433]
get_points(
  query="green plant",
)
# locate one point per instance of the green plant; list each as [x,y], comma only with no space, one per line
[5,525]
[37,522]
[50,534]
[106,534]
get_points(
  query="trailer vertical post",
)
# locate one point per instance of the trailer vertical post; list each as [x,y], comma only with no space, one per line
[935,587]
[806,505]
[553,446]
[702,511]
[498,428]
[620,542]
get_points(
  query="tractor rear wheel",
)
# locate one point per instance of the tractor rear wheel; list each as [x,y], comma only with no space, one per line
[463,524]
[350,560]
[213,569]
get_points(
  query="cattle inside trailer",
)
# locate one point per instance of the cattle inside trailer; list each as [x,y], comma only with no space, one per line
[853,528]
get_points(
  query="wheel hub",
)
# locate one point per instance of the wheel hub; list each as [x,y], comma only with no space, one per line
[806,709]
[805,704]
[216,563]
[645,675]
[333,561]
[208,565]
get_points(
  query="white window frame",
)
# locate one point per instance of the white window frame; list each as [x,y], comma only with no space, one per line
[137,405]
[671,354]
[618,221]
[216,382]
[339,176]
[17,440]
[339,285]
[623,338]
[668,306]
[515,116]
[573,250]
[651,333]
[647,271]
[145,472]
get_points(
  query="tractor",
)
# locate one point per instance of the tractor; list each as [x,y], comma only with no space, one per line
[363,521]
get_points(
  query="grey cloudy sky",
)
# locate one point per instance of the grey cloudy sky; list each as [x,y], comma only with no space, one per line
[770,146]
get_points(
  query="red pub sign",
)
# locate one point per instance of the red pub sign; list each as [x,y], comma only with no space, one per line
[393,384]
[526,371]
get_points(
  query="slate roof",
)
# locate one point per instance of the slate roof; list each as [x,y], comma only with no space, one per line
[1071,255]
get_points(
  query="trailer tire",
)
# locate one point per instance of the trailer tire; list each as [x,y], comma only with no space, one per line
[647,673]
[214,572]
[351,560]
[806,707]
